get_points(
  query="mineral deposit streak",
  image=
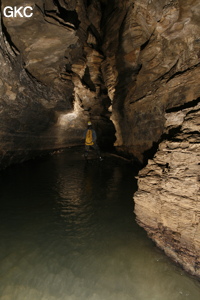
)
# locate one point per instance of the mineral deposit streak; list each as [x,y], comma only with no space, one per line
[68,232]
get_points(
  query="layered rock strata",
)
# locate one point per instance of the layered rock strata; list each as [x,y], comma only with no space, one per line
[167,203]
[50,78]
[151,64]
[125,60]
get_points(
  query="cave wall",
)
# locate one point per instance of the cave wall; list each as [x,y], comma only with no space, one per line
[151,65]
[167,203]
[128,61]
[51,82]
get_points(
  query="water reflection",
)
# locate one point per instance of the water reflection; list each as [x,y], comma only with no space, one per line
[67,232]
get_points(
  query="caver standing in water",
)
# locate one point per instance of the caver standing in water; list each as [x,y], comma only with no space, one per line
[91,141]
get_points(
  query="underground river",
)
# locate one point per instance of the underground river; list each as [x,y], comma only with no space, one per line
[68,232]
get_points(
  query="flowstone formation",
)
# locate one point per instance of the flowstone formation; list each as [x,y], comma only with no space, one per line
[167,203]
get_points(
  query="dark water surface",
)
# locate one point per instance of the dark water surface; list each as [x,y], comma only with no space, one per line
[67,231]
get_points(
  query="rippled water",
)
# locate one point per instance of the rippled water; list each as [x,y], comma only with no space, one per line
[67,231]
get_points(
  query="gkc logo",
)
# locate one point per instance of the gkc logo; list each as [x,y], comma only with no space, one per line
[13,12]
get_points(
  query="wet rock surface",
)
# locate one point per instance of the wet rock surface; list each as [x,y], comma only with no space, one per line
[167,203]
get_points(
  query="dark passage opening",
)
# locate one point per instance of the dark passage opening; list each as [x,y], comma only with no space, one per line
[69,16]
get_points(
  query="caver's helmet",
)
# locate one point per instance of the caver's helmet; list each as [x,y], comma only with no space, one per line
[89,123]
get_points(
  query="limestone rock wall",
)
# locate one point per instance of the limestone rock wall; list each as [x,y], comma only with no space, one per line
[151,65]
[50,78]
[167,203]
[128,61]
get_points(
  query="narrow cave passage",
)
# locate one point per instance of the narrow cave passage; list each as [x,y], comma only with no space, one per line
[67,232]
